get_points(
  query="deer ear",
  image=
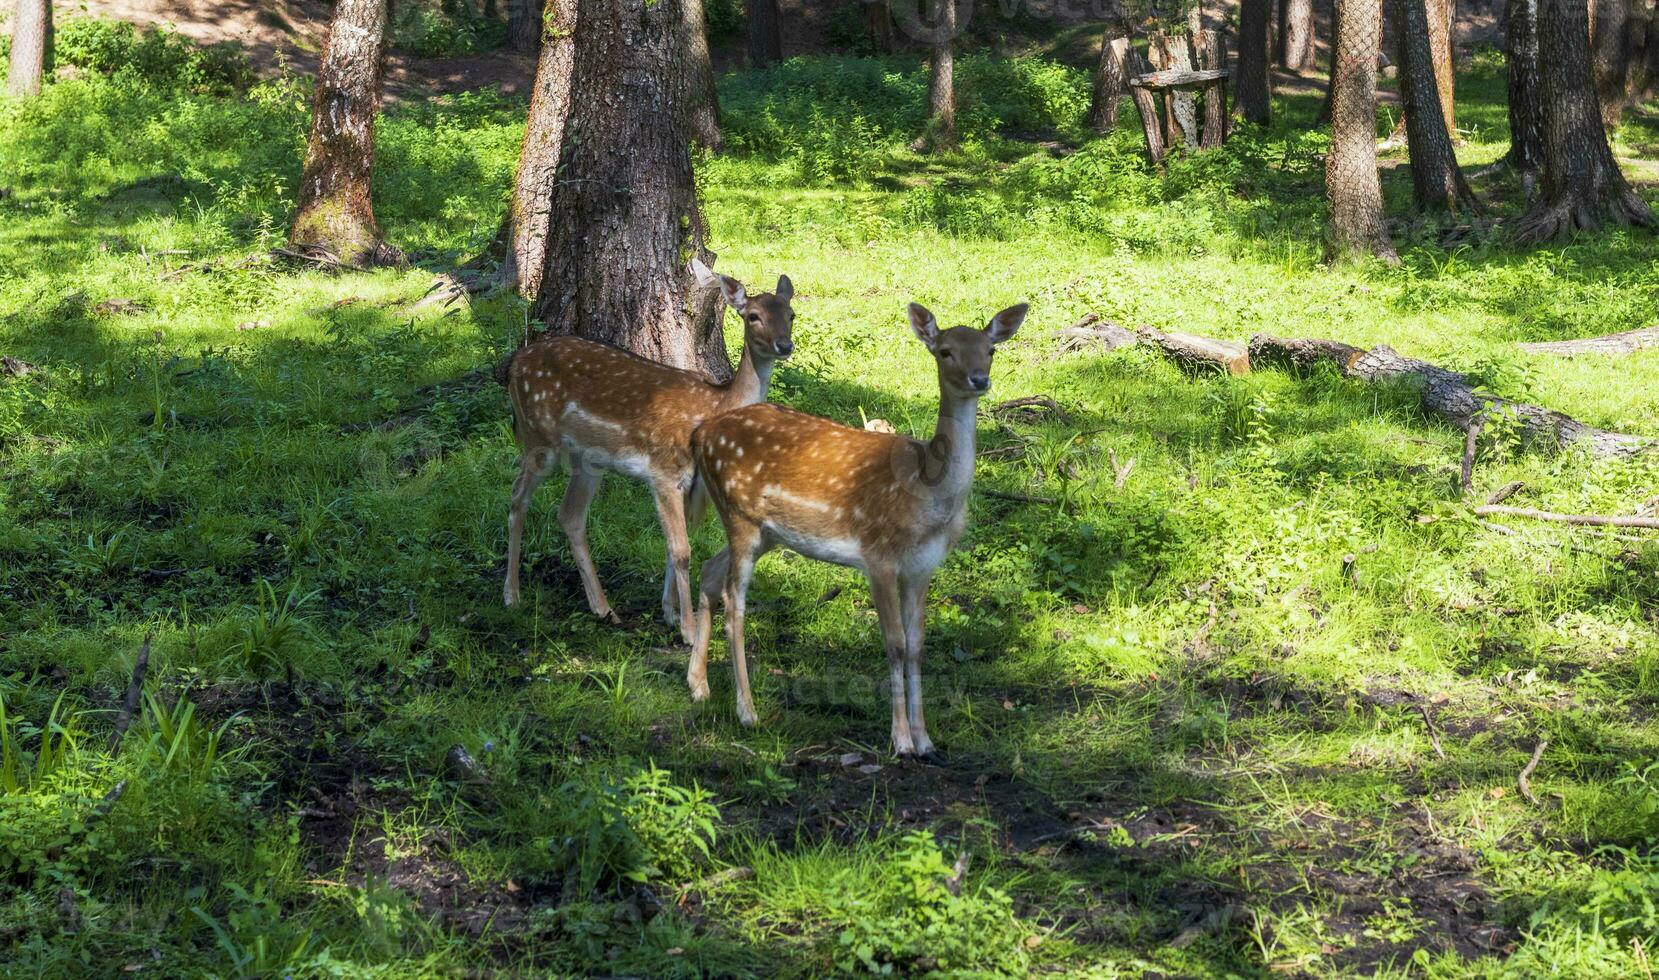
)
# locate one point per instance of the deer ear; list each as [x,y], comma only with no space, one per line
[926,327]
[734,292]
[1002,326]
[786,289]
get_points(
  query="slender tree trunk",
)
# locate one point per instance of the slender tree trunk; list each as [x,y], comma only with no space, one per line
[1437,183]
[625,221]
[1111,77]
[524,26]
[1582,187]
[765,39]
[1356,222]
[1296,35]
[1253,92]
[1610,56]
[941,79]
[335,211]
[703,98]
[1439,15]
[531,207]
[1526,111]
[31,47]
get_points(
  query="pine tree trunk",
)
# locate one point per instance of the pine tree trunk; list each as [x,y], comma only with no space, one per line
[941,79]
[765,39]
[878,18]
[531,207]
[1296,35]
[31,46]
[1437,183]
[625,221]
[704,98]
[524,26]
[1609,56]
[1439,15]
[1582,186]
[335,211]
[1351,182]
[1111,77]
[1526,111]
[1252,92]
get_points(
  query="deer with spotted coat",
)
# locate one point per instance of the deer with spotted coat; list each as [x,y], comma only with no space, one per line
[888,505]
[607,410]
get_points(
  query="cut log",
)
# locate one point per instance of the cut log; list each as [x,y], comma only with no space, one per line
[1093,330]
[1300,355]
[1451,395]
[1147,106]
[1179,78]
[1200,353]
[1613,343]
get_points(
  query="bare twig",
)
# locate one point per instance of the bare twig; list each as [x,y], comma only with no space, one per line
[1434,733]
[1120,472]
[1021,497]
[1594,520]
[1506,491]
[135,691]
[958,871]
[1526,773]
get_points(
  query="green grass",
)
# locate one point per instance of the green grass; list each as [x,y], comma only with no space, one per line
[1184,730]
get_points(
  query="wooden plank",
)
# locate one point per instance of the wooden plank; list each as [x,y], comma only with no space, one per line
[1179,79]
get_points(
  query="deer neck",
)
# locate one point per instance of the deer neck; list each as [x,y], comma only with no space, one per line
[949,463]
[749,384]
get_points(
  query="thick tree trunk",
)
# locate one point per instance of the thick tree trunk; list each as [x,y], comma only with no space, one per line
[878,18]
[1111,77]
[531,207]
[941,79]
[1610,56]
[1252,91]
[31,46]
[703,98]
[1582,185]
[1526,110]
[524,25]
[625,222]
[1296,35]
[1437,183]
[1439,15]
[765,39]
[335,212]
[1356,222]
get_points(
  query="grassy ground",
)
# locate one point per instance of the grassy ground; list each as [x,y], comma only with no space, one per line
[1185,711]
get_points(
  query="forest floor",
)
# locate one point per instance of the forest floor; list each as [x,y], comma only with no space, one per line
[1256,704]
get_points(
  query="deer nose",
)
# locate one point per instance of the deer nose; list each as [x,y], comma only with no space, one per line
[783,348]
[979,382]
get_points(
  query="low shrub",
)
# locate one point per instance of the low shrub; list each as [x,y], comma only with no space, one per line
[158,55]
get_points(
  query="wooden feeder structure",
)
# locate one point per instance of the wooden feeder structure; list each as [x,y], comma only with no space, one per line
[1189,73]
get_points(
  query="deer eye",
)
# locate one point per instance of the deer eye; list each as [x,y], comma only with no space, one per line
[945,353]
[754,318]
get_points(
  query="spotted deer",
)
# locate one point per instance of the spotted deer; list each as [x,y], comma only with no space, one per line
[888,505]
[607,410]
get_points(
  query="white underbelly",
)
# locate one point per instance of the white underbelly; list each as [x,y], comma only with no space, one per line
[590,458]
[925,557]
[836,551]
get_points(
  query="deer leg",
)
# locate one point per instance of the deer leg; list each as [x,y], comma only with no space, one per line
[884,589]
[671,512]
[573,517]
[744,545]
[696,502]
[713,582]
[531,473]
[913,603]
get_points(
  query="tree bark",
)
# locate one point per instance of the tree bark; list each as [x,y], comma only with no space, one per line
[879,19]
[941,79]
[1436,181]
[1610,56]
[1111,76]
[1526,109]
[31,47]
[335,213]
[703,98]
[524,25]
[625,222]
[1439,15]
[1582,186]
[765,38]
[1356,223]
[531,207]
[1252,91]
[1172,52]
[1296,36]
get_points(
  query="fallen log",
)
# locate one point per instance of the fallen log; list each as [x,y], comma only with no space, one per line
[1450,395]
[1197,353]
[1093,330]
[1613,343]
[1593,520]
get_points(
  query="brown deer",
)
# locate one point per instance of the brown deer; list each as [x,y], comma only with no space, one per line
[605,409]
[888,505]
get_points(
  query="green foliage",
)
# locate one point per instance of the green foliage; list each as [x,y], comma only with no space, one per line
[449,31]
[157,55]
[640,827]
